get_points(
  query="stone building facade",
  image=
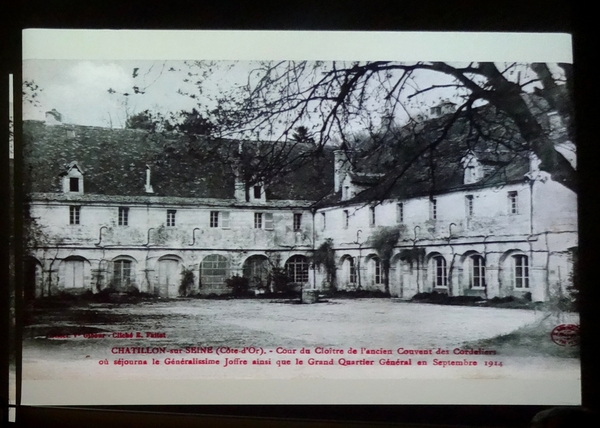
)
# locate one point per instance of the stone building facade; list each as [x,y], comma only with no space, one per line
[107,210]
[493,241]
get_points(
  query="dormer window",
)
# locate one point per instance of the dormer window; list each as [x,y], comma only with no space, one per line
[73,184]
[72,179]
[257,193]
[473,170]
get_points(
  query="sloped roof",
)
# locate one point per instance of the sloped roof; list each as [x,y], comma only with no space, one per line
[166,200]
[115,162]
[409,166]
[400,164]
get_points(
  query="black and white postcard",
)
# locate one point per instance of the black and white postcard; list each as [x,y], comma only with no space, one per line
[299,218]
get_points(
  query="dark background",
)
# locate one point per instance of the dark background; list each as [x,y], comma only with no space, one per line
[373,15]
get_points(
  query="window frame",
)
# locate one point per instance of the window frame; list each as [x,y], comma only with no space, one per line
[125,265]
[214,270]
[469,205]
[123,216]
[520,262]
[74,181]
[171,218]
[258,220]
[298,265]
[513,202]
[372,216]
[440,271]
[346,219]
[297,222]
[433,209]
[377,271]
[214,219]
[351,271]
[477,270]
[74,215]
[400,212]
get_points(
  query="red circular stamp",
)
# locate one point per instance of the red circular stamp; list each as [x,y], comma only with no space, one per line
[565,335]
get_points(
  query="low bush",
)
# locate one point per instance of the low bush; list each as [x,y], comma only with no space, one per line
[186,284]
[239,285]
[356,294]
[444,299]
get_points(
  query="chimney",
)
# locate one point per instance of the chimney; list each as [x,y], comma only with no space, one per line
[53,117]
[239,190]
[342,166]
[148,185]
[239,187]
[443,108]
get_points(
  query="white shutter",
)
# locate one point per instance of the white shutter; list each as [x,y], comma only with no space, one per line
[269,221]
[225,219]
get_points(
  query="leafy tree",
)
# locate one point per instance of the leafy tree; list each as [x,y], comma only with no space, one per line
[325,256]
[143,120]
[192,124]
[31,91]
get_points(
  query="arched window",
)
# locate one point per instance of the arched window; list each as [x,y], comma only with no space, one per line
[440,272]
[214,270]
[122,273]
[476,271]
[377,270]
[297,268]
[520,271]
[351,271]
[256,270]
[348,270]
[74,272]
